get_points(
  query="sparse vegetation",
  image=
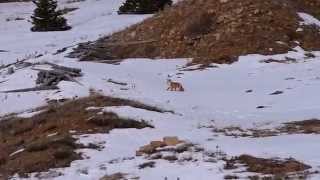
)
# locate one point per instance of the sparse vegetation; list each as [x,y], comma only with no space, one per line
[210,32]
[44,141]
[310,126]
[284,169]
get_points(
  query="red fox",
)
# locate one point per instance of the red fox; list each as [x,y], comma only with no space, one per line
[174,86]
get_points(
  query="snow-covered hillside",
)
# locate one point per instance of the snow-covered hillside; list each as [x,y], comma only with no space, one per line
[237,95]
[91,21]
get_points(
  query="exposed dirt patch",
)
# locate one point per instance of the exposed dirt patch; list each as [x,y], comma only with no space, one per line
[311,126]
[45,140]
[276,167]
[309,6]
[211,32]
[116,176]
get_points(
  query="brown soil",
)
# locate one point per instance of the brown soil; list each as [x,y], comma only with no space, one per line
[116,176]
[47,137]
[267,166]
[311,126]
[211,32]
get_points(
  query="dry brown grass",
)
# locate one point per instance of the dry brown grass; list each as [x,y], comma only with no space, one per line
[211,32]
[310,126]
[274,167]
[116,176]
[47,139]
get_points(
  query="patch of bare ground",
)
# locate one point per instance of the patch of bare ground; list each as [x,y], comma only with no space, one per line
[45,141]
[277,168]
[211,32]
[311,126]
[116,176]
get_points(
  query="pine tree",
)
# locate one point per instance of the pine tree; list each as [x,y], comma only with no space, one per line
[47,18]
[143,6]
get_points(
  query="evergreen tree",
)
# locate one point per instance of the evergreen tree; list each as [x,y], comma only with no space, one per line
[143,6]
[47,18]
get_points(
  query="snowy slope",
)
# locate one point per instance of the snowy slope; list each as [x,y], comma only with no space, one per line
[214,96]
[92,20]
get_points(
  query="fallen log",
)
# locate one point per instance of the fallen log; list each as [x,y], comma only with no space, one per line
[48,79]
[57,74]
[38,88]
[11,64]
[117,82]
[64,68]
[114,62]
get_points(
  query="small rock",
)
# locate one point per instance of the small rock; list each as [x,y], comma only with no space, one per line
[261,107]
[139,153]
[156,156]
[310,55]
[210,160]
[290,78]
[198,149]
[170,157]
[157,144]
[171,140]
[149,164]
[10,70]
[277,92]
[185,156]
[183,147]
[113,176]
[231,177]
[147,149]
